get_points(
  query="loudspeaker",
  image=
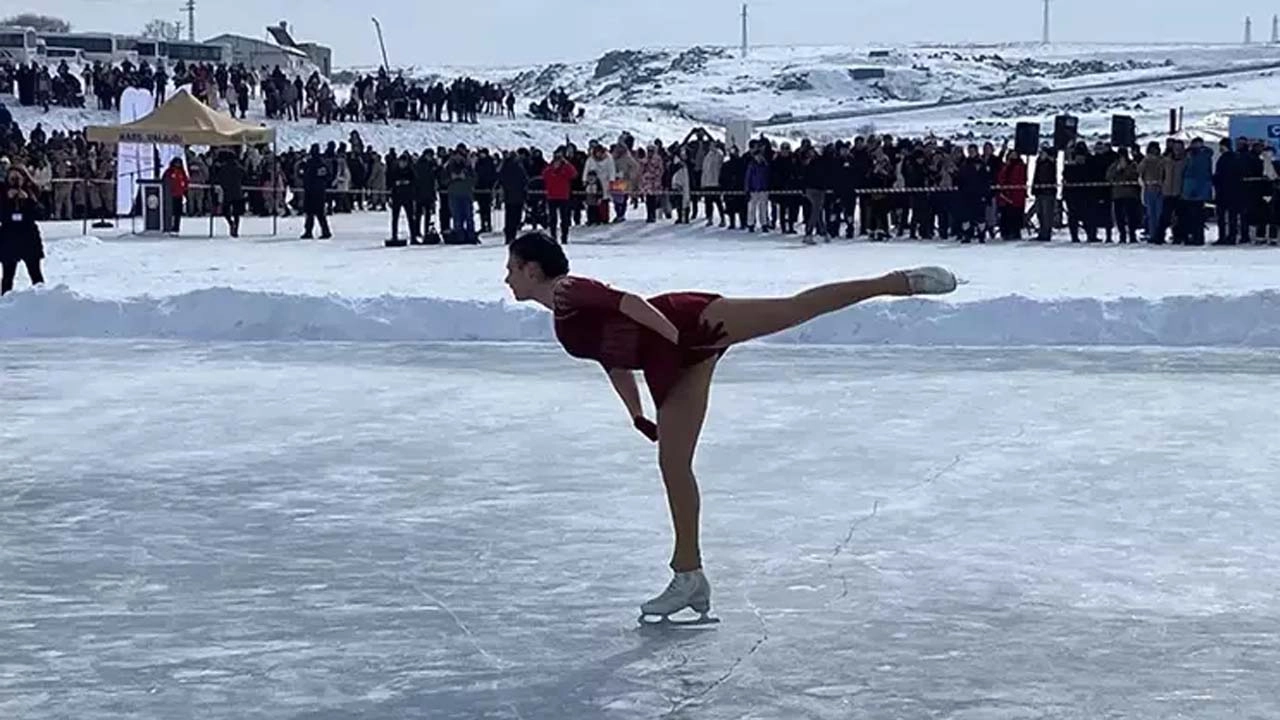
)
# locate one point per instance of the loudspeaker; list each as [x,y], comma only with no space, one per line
[155,206]
[1026,140]
[1064,131]
[1123,131]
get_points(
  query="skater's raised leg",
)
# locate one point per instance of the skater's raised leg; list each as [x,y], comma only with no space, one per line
[743,319]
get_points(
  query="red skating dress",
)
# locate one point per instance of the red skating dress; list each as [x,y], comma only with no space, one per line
[590,326]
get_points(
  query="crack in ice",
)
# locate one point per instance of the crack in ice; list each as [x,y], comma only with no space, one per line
[933,477]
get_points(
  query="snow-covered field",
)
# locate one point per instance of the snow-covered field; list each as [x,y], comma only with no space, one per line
[192,525]
[663,93]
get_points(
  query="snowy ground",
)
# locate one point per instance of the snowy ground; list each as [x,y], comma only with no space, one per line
[493,132]
[312,531]
[663,93]
[351,288]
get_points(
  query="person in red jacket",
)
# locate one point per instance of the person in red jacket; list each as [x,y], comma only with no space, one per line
[1011,198]
[175,182]
[675,339]
[558,179]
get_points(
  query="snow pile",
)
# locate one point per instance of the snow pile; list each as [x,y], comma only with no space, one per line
[226,314]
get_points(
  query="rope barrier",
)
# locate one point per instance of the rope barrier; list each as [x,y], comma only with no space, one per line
[702,193]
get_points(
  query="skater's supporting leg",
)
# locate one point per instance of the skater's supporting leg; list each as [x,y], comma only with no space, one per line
[743,319]
[679,424]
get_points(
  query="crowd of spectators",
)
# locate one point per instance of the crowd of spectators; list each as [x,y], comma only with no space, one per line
[875,187]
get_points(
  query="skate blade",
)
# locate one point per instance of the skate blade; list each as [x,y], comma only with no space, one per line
[661,621]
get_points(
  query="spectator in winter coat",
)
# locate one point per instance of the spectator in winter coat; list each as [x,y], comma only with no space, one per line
[316,180]
[627,180]
[1151,174]
[20,240]
[557,180]
[680,198]
[514,181]
[461,179]
[378,183]
[425,181]
[175,183]
[1197,189]
[600,165]
[756,185]
[1075,193]
[1044,186]
[1011,198]
[486,180]
[1229,194]
[401,178]
[230,175]
[712,163]
[1172,212]
[651,171]
[1126,193]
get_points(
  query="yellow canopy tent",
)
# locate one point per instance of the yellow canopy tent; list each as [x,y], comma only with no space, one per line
[184,120]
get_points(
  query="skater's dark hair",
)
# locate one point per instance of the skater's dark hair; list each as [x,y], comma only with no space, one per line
[542,249]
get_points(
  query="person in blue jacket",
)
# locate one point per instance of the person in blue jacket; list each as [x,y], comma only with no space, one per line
[1197,189]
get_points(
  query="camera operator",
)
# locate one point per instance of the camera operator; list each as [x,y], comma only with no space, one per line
[19,235]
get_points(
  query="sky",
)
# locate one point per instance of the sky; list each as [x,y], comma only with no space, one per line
[522,32]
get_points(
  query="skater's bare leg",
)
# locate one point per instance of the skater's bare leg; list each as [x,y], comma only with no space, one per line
[745,319]
[680,422]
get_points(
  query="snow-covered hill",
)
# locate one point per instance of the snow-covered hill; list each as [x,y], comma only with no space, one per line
[971,91]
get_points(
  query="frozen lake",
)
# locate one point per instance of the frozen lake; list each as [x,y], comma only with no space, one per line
[307,531]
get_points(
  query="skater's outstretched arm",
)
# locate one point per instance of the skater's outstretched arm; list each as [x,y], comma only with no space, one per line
[624,382]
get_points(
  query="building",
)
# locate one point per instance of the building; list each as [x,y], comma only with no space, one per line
[321,55]
[256,53]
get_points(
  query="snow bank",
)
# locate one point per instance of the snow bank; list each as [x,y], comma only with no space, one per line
[224,314]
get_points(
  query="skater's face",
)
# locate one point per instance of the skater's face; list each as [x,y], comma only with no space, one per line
[522,277]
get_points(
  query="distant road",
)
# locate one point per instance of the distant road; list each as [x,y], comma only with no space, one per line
[918,107]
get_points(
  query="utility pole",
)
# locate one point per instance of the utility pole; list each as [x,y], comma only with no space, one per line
[190,7]
[1275,29]
[1044,31]
[378,26]
[744,30]
[1248,30]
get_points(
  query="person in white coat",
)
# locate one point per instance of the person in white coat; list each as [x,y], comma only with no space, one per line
[680,190]
[711,165]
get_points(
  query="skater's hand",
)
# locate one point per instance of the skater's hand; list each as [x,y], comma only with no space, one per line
[709,335]
[647,427]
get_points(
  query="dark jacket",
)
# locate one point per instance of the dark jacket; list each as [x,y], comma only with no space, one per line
[231,179]
[401,181]
[19,234]
[514,180]
[425,172]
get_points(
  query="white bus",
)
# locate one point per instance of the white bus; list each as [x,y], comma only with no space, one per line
[53,56]
[175,50]
[18,44]
[95,46]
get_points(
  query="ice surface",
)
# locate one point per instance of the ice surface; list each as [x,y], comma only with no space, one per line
[321,530]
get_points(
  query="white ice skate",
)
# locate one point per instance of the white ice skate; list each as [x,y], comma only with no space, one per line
[686,590]
[930,281]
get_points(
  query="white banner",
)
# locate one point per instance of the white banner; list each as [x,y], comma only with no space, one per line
[134,160]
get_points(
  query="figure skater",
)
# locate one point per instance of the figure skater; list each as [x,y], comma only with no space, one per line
[676,339]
